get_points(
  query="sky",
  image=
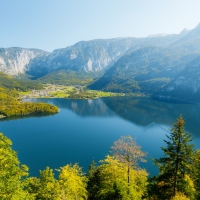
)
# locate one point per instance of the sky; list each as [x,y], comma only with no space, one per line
[54,24]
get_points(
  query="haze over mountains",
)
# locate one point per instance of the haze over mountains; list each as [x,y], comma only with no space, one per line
[159,65]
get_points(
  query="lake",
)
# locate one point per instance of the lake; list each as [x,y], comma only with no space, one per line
[84,130]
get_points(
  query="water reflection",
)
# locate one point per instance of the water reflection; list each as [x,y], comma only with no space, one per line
[143,111]
[26,116]
[140,111]
[85,129]
[83,108]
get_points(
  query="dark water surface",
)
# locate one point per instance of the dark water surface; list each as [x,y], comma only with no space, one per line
[84,130]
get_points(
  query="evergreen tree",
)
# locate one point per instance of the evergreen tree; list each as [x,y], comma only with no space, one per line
[175,166]
[196,173]
[94,181]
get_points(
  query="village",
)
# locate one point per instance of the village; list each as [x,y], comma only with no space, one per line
[52,91]
[61,91]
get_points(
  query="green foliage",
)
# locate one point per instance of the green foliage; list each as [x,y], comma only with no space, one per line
[155,71]
[8,82]
[11,173]
[11,106]
[178,177]
[72,92]
[94,181]
[145,70]
[109,181]
[196,172]
[73,182]
[92,94]
[128,152]
[46,187]
[27,108]
[175,166]
[67,77]
[180,196]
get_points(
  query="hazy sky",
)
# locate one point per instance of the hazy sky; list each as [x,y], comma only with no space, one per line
[51,24]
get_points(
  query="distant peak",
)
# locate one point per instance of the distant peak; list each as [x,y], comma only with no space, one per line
[198,26]
[159,35]
[185,30]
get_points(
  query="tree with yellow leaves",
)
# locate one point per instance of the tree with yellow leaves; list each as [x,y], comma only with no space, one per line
[128,152]
[73,183]
[12,173]
[109,181]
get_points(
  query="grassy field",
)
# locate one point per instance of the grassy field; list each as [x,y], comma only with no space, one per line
[72,92]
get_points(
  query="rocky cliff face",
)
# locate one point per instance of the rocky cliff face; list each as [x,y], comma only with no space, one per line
[14,61]
[86,56]
[163,65]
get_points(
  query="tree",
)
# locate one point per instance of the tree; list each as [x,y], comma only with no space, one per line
[109,181]
[196,172]
[94,181]
[175,166]
[128,152]
[46,187]
[73,182]
[12,173]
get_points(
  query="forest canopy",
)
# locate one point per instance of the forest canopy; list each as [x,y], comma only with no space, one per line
[11,105]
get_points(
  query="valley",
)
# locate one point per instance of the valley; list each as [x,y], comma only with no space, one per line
[71,92]
[100,100]
[164,66]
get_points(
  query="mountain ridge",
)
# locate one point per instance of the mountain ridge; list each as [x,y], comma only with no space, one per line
[125,64]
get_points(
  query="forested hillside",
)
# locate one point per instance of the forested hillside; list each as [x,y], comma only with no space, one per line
[162,71]
[145,70]
[9,82]
[11,105]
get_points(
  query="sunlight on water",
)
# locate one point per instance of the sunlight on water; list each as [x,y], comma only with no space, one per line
[84,130]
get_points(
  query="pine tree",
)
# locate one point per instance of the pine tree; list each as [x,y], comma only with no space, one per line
[175,166]
[196,173]
[94,181]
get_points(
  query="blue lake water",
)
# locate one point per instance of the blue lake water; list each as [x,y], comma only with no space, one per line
[84,130]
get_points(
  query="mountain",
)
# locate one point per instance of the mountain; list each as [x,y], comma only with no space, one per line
[92,58]
[190,42]
[186,85]
[169,71]
[16,60]
[150,65]
[144,70]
